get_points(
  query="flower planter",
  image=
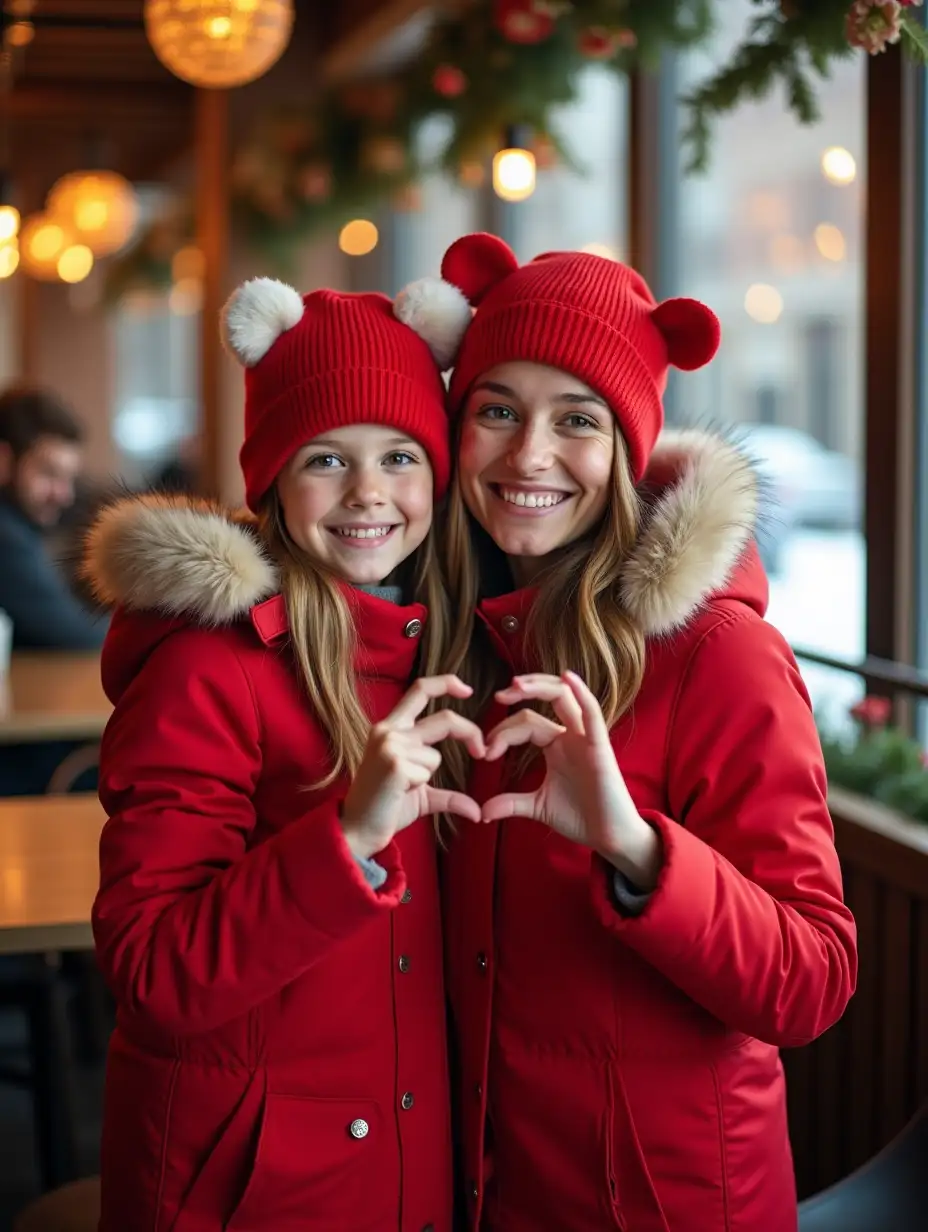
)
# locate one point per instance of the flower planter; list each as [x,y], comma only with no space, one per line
[851,1091]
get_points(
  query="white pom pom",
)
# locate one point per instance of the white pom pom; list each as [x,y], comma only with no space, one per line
[438,312]
[256,315]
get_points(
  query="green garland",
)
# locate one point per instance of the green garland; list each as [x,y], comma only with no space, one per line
[497,66]
[879,761]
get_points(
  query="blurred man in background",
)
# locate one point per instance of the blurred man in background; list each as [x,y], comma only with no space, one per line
[41,456]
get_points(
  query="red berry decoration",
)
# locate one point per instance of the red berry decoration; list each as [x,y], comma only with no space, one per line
[449,81]
[598,43]
[518,21]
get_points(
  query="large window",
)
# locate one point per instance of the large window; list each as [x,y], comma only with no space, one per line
[155,411]
[920,538]
[771,237]
[581,206]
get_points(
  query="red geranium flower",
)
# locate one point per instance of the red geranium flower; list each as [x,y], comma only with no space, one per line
[873,711]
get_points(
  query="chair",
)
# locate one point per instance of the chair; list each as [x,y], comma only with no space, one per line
[73,1208]
[71,769]
[888,1194]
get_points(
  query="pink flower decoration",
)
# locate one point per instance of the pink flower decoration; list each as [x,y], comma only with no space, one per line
[873,24]
[872,711]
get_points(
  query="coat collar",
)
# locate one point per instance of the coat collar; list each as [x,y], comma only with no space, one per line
[198,562]
[168,561]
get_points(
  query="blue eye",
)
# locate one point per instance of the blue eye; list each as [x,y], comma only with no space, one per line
[400,458]
[581,421]
[324,461]
[498,413]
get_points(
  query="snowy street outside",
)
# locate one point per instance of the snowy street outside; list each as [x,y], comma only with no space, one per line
[817,602]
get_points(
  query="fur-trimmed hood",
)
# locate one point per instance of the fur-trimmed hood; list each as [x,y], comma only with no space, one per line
[195,561]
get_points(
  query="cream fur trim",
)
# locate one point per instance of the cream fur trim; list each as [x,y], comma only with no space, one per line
[438,312]
[171,555]
[256,315]
[697,530]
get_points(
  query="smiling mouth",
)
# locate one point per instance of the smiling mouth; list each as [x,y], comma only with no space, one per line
[362,536]
[520,498]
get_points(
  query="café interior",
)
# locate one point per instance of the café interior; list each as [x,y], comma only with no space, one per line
[156,153]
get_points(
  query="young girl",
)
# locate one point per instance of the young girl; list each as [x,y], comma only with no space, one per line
[653,907]
[268,912]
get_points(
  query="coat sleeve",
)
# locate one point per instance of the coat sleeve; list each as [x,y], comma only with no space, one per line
[35,595]
[748,917]
[193,925]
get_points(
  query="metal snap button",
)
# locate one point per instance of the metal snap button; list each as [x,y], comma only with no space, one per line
[510,624]
[359,1128]
[413,628]
[403,964]
[408,1100]
[407,896]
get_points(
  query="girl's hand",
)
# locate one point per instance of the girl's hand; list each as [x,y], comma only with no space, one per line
[391,788]
[583,796]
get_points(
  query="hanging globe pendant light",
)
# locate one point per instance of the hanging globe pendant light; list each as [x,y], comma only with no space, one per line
[218,43]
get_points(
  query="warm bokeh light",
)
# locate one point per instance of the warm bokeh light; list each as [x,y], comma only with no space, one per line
[218,43]
[9,258]
[100,207]
[769,210]
[830,242]
[763,303]
[75,263]
[20,34]
[787,253]
[513,174]
[839,165]
[41,243]
[187,263]
[9,223]
[186,298]
[358,238]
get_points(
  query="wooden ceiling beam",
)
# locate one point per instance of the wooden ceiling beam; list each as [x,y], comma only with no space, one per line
[357,28]
[81,102]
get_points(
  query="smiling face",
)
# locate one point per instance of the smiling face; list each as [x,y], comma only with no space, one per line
[535,460]
[358,500]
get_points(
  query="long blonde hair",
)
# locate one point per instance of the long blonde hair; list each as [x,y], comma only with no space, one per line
[577,622]
[323,635]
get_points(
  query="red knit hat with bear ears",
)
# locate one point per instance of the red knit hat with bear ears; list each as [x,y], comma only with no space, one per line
[594,318]
[326,359]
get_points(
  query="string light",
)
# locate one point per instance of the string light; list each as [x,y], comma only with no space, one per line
[513,174]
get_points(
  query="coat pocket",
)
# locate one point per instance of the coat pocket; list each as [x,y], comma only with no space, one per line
[667,1158]
[319,1164]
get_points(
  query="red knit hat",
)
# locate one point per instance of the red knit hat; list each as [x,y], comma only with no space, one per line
[586,315]
[325,360]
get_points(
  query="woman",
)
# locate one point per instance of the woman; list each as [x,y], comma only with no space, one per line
[268,915]
[653,905]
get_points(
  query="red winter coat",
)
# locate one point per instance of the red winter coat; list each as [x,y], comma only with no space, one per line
[620,1072]
[279,1061]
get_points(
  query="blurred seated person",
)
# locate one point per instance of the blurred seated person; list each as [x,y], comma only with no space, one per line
[40,458]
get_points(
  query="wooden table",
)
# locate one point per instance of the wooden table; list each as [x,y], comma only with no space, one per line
[49,872]
[53,697]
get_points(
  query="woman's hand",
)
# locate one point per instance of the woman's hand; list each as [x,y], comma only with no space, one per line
[583,796]
[391,788]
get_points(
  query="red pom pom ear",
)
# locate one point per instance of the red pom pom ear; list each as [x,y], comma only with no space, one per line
[691,330]
[476,263]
